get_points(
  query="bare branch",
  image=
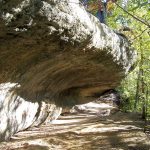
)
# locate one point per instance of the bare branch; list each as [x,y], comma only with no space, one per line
[139,34]
[135,17]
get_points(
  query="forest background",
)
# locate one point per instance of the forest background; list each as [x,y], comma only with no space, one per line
[132,18]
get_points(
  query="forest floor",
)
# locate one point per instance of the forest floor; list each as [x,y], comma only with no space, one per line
[120,131]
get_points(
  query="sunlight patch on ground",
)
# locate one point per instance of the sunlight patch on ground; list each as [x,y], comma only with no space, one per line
[97,129]
[66,121]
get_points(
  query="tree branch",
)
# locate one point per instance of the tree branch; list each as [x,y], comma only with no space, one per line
[135,17]
[139,34]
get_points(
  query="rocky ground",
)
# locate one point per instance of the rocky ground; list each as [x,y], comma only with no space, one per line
[119,131]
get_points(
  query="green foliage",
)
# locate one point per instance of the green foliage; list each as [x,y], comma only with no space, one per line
[127,91]
[139,36]
[133,21]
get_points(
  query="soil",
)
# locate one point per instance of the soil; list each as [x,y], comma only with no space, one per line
[119,131]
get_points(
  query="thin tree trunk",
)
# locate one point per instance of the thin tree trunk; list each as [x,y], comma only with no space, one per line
[137,91]
[142,85]
[146,102]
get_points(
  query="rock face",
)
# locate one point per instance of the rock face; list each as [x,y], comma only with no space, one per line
[17,114]
[105,105]
[54,54]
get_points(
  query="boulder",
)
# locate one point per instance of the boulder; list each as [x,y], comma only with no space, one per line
[54,54]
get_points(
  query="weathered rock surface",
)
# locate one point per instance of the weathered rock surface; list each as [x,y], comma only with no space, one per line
[105,105]
[54,54]
[17,114]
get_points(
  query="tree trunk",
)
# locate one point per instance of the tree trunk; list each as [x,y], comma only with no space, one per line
[142,84]
[137,91]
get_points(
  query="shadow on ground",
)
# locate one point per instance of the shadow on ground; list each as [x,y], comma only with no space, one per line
[120,131]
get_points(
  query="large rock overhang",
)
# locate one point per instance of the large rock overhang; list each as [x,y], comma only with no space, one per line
[54,54]
[58,52]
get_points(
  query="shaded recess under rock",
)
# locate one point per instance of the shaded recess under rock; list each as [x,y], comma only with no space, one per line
[105,105]
[54,54]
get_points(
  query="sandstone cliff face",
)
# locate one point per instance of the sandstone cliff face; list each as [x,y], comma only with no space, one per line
[54,54]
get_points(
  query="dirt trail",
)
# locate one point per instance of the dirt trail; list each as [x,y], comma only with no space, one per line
[120,131]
